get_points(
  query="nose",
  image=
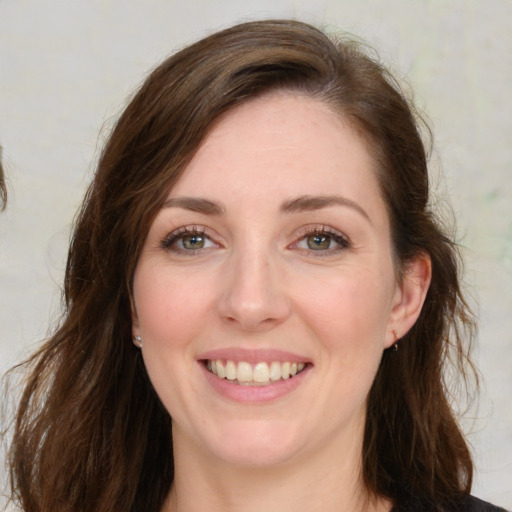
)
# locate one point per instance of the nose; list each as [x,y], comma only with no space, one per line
[254,297]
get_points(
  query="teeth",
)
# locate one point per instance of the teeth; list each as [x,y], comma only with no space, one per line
[230,370]
[220,369]
[285,370]
[212,367]
[244,372]
[275,371]
[260,373]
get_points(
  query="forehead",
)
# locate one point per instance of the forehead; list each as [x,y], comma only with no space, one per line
[285,143]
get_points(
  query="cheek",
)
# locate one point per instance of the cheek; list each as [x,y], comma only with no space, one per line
[347,302]
[168,306]
[348,316]
[168,310]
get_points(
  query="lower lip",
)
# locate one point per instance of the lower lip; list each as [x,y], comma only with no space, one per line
[254,394]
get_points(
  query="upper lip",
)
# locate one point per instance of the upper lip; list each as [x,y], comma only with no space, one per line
[252,355]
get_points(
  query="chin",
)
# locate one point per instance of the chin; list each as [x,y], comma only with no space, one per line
[261,445]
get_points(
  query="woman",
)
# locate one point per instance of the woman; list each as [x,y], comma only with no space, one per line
[259,302]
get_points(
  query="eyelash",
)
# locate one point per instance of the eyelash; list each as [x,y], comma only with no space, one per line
[342,241]
[170,240]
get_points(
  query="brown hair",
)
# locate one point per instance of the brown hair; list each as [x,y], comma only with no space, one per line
[90,433]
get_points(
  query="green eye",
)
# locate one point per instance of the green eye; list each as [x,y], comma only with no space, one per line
[318,242]
[193,241]
[321,241]
[188,241]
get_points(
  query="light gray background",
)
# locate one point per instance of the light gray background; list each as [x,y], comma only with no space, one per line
[67,67]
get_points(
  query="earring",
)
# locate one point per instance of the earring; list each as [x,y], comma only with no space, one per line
[137,340]
[395,339]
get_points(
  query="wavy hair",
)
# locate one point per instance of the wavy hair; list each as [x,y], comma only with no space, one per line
[90,432]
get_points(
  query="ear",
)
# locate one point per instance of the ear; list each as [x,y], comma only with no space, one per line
[409,297]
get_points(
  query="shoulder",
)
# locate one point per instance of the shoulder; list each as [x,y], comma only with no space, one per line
[465,504]
[472,504]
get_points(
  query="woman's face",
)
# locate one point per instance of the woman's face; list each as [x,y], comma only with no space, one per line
[271,257]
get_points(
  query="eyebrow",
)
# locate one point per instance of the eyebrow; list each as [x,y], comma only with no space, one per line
[297,204]
[195,204]
[310,203]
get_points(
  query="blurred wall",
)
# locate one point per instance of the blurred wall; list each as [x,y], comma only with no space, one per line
[67,67]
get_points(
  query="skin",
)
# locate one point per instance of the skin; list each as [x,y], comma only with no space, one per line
[256,283]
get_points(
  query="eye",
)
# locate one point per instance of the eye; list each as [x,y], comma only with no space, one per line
[192,242]
[188,240]
[321,239]
[318,242]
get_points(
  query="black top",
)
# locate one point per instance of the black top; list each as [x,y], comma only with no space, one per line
[466,504]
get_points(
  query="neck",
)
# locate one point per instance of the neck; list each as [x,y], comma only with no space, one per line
[312,482]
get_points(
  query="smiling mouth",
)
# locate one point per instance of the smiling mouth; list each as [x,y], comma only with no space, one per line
[259,374]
